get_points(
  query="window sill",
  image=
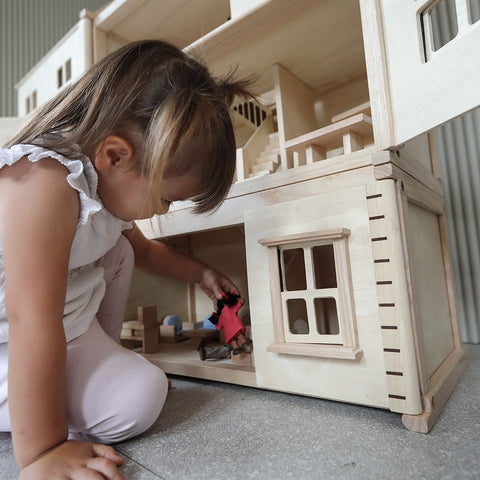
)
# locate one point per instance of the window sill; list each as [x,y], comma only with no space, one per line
[317,350]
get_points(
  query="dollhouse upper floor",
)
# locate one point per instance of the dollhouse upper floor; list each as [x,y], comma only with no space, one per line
[325,75]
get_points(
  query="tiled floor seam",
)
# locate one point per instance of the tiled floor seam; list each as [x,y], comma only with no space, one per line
[119,450]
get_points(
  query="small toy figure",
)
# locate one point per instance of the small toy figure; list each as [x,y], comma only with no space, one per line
[226,317]
[213,353]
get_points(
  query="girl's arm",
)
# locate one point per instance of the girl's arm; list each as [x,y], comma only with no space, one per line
[38,216]
[161,259]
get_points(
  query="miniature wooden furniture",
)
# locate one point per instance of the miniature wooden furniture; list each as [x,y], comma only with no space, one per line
[144,331]
[171,333]
[334,230]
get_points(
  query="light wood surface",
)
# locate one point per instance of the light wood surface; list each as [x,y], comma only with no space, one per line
[332,135]
[393,300]
[178,22]
[295,370]
[442,384]
[445,83]
[183,359]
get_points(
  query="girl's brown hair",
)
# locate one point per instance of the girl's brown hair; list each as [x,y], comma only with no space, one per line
[163,101]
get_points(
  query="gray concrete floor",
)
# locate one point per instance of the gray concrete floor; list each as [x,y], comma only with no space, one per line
[212,431]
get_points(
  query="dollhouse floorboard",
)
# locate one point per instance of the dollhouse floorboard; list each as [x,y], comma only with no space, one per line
[210,430]
[183,359]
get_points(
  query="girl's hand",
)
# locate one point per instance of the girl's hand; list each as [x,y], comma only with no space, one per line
[75,460]
[214,284]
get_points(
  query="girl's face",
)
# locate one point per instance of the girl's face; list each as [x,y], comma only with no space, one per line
[124,191]
[126,196]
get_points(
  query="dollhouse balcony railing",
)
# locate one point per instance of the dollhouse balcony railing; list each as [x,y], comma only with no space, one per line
[343,137]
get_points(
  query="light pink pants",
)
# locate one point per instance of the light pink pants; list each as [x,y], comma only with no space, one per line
[112,393]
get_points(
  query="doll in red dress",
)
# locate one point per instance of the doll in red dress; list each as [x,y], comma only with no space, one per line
[226,317]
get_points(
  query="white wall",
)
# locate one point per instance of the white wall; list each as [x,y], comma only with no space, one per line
[8,128]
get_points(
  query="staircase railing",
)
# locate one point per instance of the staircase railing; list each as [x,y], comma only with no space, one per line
[252,112]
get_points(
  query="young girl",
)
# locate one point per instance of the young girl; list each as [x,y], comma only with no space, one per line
[144,127]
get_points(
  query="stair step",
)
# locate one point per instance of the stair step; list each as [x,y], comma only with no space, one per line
[268,157]
[268,166]
[274,139]
[259,174]
[269,148]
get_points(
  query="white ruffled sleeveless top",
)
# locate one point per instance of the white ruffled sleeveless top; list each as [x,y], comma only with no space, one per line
[97,232]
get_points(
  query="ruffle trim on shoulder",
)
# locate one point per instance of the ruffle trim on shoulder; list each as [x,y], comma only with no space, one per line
[82,176]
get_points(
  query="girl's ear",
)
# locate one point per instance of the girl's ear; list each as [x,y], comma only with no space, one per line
[114,154]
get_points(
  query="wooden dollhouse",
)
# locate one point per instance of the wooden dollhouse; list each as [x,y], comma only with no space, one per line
[334,230]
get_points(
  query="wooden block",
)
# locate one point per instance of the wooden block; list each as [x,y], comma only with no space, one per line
[168,335]
[147,314]
[151,341]
[133,325]
[167,331]
[191,325]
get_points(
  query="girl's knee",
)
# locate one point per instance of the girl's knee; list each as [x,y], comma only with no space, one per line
[143,401]
[132,408]
[151,398]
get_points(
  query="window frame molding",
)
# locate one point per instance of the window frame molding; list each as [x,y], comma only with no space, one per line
[345,308]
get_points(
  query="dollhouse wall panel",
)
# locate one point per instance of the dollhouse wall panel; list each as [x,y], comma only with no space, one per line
[393,298]
[170,296]
[295,107]
[423,81]
[363,380]
[430,292]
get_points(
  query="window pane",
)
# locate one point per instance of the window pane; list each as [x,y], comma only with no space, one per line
[59,78]
[326,314]
[324,266]
[474,10]
[294,269]
[443,32]
[297,316]
[68,70]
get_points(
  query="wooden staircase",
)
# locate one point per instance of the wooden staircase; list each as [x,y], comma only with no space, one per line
[269,159]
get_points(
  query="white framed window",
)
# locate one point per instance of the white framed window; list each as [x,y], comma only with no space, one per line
[312,296]
[31,102]
[64,74]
